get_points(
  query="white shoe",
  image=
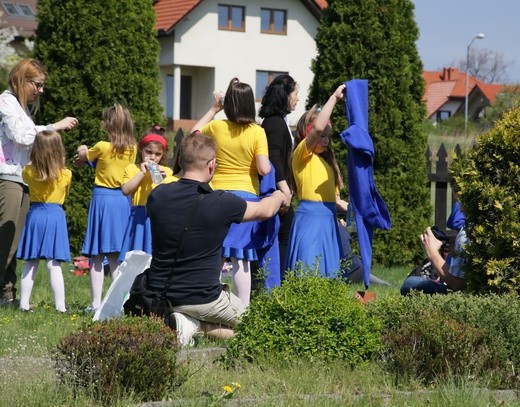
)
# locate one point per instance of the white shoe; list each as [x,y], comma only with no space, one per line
[186,328]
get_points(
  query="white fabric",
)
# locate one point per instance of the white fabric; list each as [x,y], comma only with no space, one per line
[134,264]
[17,133]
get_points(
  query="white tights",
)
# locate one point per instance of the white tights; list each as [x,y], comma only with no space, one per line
[242,279]
[97,275]
[56,280]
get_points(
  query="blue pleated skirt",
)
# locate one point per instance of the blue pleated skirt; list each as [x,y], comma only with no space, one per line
[138,234]
[108,216]
[44,234]
[314,233]
[239,235]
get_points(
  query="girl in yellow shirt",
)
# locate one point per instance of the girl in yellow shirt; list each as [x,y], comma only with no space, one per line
[137,182]
[109,208]
[45,234]
[314,237]
[242,155]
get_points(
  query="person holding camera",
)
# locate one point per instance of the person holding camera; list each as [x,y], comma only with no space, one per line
[448,268]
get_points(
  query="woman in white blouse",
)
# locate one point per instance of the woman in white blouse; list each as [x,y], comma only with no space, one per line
[17,133]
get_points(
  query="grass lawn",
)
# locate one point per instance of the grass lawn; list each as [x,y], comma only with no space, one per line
[27,377]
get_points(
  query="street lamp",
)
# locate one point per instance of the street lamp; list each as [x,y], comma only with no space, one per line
[479,36]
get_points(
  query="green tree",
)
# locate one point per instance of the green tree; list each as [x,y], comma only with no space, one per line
[97,53]
[375,40]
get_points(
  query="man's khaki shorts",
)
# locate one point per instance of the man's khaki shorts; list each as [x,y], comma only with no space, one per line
[225,310]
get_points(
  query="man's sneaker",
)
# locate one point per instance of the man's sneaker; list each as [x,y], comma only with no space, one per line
[5,302]
[186,328]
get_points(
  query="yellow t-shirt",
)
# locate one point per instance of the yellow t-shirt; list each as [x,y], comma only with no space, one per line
[49,191]
[110,168]
[170,178]
[238,145]
[314,178]
[140,195]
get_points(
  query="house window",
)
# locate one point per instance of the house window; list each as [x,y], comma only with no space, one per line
[26,10]
[231,17]
[273,21]
[263,79]
[22,10]
[443,115]
[11,9]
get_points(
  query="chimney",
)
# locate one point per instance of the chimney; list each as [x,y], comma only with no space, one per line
[450,74]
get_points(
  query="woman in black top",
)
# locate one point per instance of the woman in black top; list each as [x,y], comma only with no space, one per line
[280,99]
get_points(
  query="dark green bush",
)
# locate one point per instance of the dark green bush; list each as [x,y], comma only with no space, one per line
[488,180]
[308,317]
[135,356]
[427,338]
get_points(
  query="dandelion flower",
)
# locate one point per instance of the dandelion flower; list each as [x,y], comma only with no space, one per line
[228,389]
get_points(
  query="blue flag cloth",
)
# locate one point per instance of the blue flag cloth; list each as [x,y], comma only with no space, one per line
[457,219]
[261,236]
[369,208]
[267,250]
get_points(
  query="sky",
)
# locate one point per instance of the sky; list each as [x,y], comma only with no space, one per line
[447,27]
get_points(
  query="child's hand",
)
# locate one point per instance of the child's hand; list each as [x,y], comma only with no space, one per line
[81,157]
[339,92]
[144,168]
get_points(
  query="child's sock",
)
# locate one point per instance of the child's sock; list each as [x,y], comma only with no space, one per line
[57,285]
[26,285]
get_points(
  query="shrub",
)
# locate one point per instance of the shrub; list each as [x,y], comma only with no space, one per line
[126,355]
[488,180]
[428,338]
[307,317]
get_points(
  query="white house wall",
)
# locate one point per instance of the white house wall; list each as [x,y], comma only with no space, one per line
[451,106]
[198,43]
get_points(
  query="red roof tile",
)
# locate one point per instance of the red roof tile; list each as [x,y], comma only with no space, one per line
[170,12]
[437,94]
[491,90]
[322,3]
[450,83]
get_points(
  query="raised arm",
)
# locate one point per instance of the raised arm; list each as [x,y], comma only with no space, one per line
[210,114]
[321,121]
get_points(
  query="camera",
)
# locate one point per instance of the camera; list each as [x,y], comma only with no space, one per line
[440,235]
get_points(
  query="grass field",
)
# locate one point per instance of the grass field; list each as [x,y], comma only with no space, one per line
[27,377]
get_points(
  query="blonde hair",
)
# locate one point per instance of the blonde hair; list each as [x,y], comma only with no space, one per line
[118,123]
[328,155]
[48,155]
[22,73]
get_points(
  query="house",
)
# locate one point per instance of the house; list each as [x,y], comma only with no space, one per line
[22,16]
[205,43]
[445,94]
